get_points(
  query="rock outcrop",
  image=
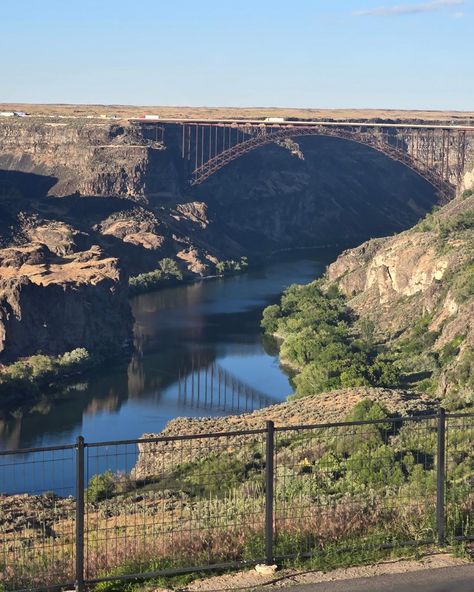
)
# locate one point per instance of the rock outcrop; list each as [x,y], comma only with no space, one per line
[425,273]
[56,302]
[88,158]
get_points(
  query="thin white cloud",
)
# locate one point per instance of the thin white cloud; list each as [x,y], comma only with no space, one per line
[404,9]
[459,14]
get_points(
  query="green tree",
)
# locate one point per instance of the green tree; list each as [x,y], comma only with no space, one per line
[270,318]
[220,267]
[170,268]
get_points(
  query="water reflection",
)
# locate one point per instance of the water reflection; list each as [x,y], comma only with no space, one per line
[211,386]
[178,331]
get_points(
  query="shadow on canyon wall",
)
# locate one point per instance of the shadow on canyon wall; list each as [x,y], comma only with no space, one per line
[337,191]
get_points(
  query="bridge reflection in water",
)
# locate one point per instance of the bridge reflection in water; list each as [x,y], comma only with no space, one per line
[214,387]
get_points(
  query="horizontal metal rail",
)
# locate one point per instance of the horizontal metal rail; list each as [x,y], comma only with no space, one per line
[178,437]
[158,439]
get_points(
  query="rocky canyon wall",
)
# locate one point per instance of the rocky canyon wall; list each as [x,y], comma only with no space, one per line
[118,190]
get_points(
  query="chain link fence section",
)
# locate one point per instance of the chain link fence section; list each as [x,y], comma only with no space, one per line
[347,487]
[174,503]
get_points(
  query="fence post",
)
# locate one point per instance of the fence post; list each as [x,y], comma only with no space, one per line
[80,514]
[441,478]
[269,469]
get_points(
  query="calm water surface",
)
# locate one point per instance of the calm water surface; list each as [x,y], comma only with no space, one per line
[182,334]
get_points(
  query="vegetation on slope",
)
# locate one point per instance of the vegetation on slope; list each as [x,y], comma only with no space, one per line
[168,273]
[431,350]
[321,340]
[231,266]
[392,331]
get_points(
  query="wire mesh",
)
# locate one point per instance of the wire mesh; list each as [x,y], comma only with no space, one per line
[183,503]
[178,503]
[37,528]
[352,486]
[460,477]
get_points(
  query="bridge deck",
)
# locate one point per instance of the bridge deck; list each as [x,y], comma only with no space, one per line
[315,123]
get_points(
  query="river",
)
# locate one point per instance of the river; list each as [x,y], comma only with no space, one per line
[199,351]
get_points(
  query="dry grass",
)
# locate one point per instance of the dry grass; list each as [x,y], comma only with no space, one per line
[152,536]
[127,111]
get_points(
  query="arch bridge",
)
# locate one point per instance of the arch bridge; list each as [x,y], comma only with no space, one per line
[436,152]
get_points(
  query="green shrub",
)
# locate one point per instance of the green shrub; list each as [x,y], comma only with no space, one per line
[42,366]
[367,410]
[39,373]
[420,338]
[463,285]
[271,314]
[167,272]
[101,487]
[463,375]
[318,331]
[384,372]
[446,226]
[427,385]
[75,358]
[463,221]
[449,351]
[427,224]
[169,268]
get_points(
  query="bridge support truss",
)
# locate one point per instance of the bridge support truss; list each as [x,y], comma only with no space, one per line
[436,153]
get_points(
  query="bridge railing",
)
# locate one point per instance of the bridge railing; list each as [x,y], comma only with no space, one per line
[100,511]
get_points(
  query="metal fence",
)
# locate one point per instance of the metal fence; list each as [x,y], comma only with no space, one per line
[89,512]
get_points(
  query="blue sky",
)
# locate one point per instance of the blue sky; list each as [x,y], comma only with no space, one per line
[303,53]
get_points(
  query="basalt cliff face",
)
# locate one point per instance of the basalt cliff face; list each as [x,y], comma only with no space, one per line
[326,191]
[54,303]
[67,185]
[418,290]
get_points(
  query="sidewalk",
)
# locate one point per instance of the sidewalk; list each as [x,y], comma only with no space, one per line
[447,579]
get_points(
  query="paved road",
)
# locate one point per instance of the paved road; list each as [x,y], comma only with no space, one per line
[445,579]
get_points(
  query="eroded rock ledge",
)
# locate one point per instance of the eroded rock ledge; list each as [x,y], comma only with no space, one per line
[54,303]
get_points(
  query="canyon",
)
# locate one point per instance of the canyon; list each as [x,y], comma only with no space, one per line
[119,191]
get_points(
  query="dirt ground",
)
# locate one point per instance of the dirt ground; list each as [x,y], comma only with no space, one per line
[284,578]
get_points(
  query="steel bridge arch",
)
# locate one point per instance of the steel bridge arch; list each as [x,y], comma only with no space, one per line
[219,161]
